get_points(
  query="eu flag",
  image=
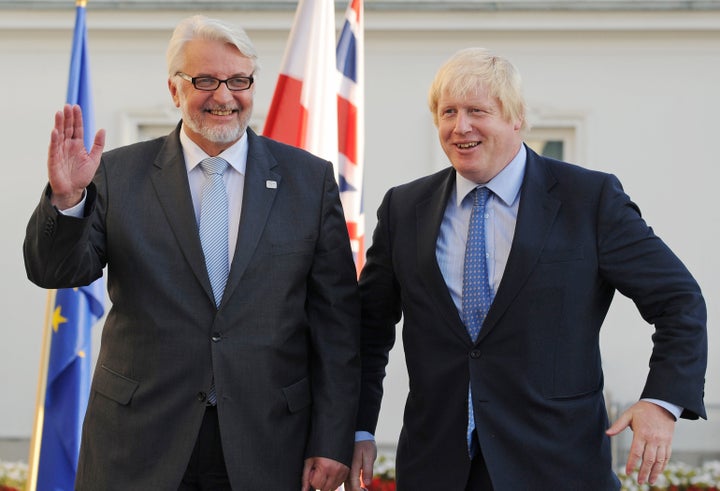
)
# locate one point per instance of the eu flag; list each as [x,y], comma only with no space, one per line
[73,314]
[68,383]
[79,81]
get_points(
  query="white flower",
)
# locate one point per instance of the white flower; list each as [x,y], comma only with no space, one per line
[676,474]
[13,474]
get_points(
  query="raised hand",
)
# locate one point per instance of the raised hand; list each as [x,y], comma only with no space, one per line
[70,167]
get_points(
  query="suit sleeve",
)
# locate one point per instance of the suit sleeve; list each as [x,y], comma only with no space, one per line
[642,267]
[333,311]
[62,251]
[381,311]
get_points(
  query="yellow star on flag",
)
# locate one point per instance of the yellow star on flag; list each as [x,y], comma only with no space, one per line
[57,319]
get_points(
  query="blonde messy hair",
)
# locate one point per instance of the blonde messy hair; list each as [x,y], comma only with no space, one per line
[471,68]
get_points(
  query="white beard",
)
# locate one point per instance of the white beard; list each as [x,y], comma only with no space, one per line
[216,134]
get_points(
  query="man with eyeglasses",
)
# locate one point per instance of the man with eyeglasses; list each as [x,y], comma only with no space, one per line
[229,359]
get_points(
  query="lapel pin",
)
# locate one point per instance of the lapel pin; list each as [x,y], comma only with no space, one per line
[271,184]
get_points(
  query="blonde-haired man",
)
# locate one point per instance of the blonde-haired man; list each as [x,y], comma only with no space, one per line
[502,308]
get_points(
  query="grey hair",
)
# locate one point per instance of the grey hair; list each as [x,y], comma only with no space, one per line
[201,27]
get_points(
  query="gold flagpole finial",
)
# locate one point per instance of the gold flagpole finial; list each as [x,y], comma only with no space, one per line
[81,3]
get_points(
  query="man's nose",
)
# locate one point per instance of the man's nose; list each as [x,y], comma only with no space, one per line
[462,123]
[222,93]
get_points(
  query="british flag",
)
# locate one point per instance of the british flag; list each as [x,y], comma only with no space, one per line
[351,125]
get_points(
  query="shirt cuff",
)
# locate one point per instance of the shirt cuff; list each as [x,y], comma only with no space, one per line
[672,408]
[77,210]
[361,436]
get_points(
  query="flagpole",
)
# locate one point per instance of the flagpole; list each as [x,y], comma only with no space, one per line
[36,440]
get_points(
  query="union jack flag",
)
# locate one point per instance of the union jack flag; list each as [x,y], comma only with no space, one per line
[351,125]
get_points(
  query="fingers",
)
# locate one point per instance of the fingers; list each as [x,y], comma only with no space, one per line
[307,470]
[73,122]
[69,122]
[620,424]
[634,457]
[652,458]
[635,454]
[367,466]
[655,458]
[323,474]
[98,145]
[57,135]
[361,470]
[68,126]
[657,467]
[354,481]
[651,446]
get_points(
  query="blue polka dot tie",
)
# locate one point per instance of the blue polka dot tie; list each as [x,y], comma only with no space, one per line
[214,233]
[476,294]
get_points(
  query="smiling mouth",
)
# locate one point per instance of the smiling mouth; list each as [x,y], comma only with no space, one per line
[221,112]
[467,145]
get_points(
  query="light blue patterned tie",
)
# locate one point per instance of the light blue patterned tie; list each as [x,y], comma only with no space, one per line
[476,294]
[214,233]
[214,224]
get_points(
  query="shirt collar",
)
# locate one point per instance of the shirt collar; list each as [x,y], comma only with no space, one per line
[506,185]
[235,155]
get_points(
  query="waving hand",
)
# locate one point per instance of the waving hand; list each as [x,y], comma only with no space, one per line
[70,167]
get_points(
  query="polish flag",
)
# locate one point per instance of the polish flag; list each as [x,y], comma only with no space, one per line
[303,111]
[318,103]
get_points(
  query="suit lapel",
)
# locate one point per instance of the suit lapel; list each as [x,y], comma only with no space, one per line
[536,214]
[258,198]
[429,215]
[169,178]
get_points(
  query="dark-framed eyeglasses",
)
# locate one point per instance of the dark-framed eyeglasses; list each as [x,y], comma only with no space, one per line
[211,83]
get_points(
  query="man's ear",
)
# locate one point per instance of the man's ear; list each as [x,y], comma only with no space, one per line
[173,92]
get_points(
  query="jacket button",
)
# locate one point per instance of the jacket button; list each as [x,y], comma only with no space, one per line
[475,354]
[49,227]
[202,396]
[216,336]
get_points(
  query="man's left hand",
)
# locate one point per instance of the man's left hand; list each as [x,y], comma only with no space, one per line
[323,474]
[653,428]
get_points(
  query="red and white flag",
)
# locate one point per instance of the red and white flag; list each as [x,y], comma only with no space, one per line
[351,125]
[318,103]
[303,111]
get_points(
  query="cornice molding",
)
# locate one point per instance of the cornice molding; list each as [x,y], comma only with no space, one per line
[106,15]
[377,5]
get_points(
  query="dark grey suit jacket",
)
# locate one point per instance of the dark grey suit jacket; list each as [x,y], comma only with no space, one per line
[283,346]
[535,369]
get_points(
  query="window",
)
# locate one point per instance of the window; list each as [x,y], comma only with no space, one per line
[554,142]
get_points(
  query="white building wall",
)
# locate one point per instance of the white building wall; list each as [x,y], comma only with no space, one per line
[639,90]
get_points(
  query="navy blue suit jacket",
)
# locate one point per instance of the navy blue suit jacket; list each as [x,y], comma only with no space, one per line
[535,369]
